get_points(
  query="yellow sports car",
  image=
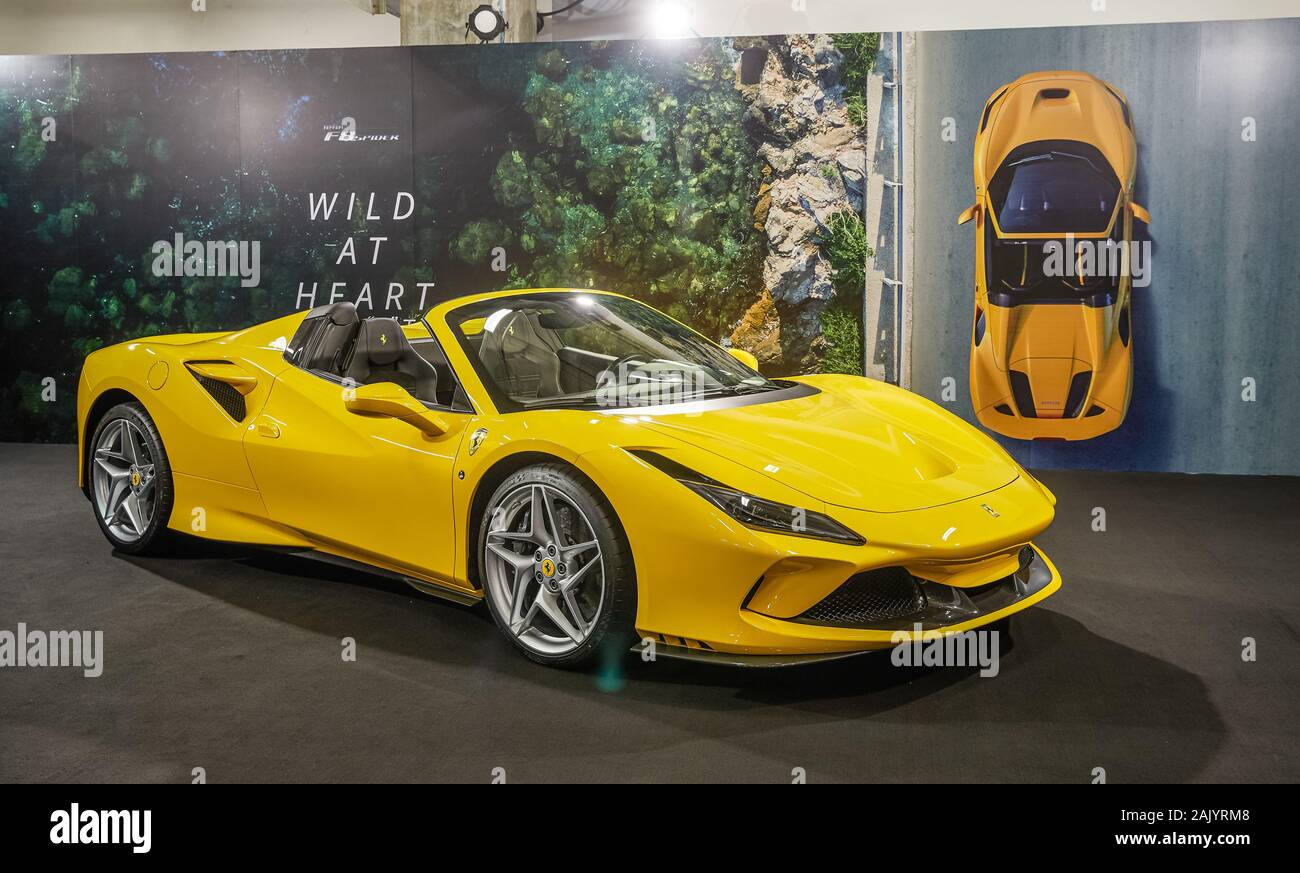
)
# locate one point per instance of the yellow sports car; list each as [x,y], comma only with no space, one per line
[600,474]
[1051,351]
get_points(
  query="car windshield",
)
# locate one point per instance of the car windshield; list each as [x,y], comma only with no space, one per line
[1047,270]
[576,350]
[1054,186]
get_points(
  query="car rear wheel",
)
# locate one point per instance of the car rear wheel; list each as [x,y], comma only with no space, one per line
[556,569]
[130,479]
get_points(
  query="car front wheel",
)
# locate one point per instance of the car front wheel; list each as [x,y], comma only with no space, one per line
[556,568]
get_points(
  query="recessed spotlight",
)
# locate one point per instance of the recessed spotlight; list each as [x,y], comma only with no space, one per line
[486,23]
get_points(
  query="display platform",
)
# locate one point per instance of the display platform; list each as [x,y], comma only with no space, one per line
[229,660]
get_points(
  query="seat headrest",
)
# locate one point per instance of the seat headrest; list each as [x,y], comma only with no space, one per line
[381,340]
[343,312]
[516,333]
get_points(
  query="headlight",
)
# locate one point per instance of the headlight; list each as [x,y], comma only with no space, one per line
[763,514]
[756,512]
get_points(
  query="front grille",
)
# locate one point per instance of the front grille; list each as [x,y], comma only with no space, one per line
[226,396]
[869,598]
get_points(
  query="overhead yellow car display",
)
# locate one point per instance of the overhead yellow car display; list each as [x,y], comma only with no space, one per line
[597,472]
[1051,347]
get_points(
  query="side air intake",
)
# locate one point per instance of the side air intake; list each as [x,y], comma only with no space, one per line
[229,399]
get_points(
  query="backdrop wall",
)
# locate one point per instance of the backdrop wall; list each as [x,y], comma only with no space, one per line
[724,180]
[721,180]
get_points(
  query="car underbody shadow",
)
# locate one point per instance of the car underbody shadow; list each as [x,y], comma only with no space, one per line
[1064,701]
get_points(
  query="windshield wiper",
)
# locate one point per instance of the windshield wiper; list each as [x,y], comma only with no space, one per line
[640,402]
[740,388]
[561,402]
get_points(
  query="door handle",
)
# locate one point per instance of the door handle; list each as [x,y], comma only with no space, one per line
[267,428]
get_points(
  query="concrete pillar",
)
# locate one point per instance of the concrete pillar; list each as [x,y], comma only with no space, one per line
[442,22]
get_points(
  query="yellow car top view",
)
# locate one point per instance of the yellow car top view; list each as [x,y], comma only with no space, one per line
[1051,349]
[597,472]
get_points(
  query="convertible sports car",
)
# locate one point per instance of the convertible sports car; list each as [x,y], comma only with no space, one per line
[1051,354]
[597,472]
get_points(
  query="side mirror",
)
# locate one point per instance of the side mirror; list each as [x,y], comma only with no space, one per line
[389,400]
[744,357]
[968,213]
[1139,212]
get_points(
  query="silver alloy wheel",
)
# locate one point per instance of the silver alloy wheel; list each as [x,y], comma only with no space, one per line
[123,479]
[545,571]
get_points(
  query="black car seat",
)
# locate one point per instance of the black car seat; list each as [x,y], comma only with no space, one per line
[384,354]
[339,327]
[519,357]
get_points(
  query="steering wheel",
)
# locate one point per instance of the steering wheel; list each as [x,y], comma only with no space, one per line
[610,375]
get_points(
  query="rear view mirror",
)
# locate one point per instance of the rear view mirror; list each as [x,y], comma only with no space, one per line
[389,400]
[1139,212]
[968,213]
[745,358]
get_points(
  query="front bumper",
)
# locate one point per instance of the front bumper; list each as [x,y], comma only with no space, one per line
[1001,418]
[947,609]
[708,584]
[943,610]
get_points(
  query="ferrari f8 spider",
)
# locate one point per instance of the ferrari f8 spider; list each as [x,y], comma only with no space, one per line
[1051,348]
[598,473]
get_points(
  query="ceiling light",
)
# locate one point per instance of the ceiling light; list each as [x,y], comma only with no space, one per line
[670,20]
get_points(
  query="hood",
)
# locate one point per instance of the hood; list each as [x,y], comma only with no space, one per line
[856,443]
[1050,330]
[1056,349]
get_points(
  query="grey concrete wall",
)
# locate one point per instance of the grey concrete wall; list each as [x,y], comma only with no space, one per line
[1223,303]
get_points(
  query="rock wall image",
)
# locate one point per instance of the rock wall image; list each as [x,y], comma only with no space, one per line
[814,170]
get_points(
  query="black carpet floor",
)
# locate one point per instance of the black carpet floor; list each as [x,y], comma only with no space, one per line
[229,660]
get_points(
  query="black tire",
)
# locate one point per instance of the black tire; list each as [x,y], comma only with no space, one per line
[154,535]
[613,628]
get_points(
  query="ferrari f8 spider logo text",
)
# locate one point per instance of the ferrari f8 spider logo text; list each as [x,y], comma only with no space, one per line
[990,510]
